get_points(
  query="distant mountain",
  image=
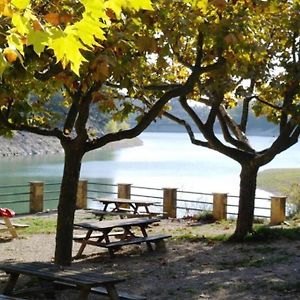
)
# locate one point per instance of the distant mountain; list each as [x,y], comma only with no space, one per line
[256,126]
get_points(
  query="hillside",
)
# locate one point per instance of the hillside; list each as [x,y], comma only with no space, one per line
[25,143]
[257,125]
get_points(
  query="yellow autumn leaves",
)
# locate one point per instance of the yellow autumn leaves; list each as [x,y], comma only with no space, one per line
[28,27]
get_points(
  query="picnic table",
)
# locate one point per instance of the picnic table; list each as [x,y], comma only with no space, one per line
[6,214]
[125,207]
[53,277]
[105,231]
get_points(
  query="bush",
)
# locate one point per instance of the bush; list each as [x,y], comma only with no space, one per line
[293,199]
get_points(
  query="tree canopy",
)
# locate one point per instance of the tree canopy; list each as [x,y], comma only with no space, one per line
[245,52]
[65,27]
[107,53]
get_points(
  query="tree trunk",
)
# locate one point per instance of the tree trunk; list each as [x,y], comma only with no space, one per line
[67,206]
[245,218]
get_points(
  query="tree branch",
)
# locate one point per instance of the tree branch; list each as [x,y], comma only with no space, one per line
[188,129]
[142,125]
[48,73]
[227,122]
[287,138]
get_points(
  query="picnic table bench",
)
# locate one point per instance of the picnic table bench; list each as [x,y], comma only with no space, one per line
[51,277]
[125,237]
[124,207]
[6,214]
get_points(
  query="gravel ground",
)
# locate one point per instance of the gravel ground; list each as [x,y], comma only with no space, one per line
[202,269]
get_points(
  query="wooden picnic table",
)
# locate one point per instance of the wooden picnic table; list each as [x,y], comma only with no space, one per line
[125,207]
[105,231]
[53,277]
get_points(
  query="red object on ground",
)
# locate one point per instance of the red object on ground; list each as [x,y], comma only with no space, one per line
[6,212]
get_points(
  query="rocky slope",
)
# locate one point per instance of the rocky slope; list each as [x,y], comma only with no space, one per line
[24,143]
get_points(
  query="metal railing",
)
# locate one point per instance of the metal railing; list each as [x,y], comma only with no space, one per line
[18,197]
[187,203]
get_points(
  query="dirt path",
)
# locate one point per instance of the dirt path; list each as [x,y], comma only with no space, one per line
[201,269]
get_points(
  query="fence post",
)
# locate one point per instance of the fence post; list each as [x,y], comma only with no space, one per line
[36,201]
[124,190]
[170,202]
[277,209]
[219,206]
[81,200]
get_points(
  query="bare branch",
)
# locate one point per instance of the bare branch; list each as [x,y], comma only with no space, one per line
[227,122]
[265,102]
[142,125]
[287,138]
[188,129]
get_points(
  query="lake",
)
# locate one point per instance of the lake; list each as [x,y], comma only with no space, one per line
[164,160]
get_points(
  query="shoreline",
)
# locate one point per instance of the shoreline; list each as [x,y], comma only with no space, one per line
[29,144]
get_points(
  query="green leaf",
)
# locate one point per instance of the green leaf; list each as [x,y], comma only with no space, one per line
[38,39]
[21,23]
[67,48]
[87,30]
[140,4]
[14,41]
[20,4]
[95,8]
[3,65]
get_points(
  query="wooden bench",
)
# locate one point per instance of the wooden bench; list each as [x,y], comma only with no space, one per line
[80,237]
[123,213]
[11,227]
[47,274]
[129,236]
[137,240]
[123,295]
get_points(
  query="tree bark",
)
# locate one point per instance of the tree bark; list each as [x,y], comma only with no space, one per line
[67,206]
[245,218]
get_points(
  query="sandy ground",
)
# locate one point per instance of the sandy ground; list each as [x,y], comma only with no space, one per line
[196,268]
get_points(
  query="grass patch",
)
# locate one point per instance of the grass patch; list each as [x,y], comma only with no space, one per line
[218,237]
[262,234]
[277,180]
[38,225]
[189,237]
[205,217]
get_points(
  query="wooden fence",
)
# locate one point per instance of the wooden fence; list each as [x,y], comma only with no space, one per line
[169,201]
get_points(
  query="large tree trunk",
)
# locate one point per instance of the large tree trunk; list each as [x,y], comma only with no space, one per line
[244,224]
[67,206]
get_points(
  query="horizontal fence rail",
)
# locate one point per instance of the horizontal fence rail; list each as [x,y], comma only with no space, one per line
[39,196]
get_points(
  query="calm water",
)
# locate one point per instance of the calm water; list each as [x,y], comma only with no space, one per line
[165,160]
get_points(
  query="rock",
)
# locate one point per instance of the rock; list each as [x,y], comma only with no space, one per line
[24,143]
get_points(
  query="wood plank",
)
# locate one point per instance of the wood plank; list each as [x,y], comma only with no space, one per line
[137,240]
[112,213]
[126,201]
[123,295]
[10,227]
[17,225]
[53,273]
[110,224]
[122,213]
[81,237]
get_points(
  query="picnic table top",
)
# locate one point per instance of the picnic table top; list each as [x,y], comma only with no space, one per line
[53,272]
[110,224]
[125,201]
